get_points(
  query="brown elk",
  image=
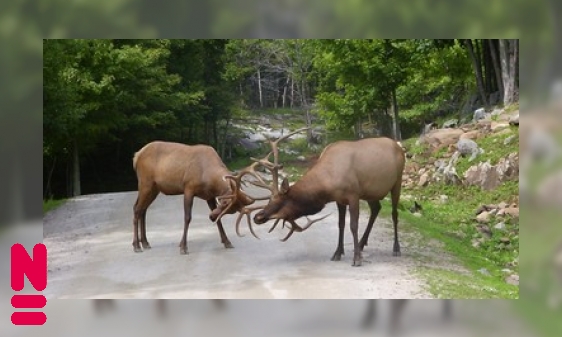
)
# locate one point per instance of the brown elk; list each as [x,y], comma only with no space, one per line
[346,172]
[176,169]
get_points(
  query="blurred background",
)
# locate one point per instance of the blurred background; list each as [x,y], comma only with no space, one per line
[23,25]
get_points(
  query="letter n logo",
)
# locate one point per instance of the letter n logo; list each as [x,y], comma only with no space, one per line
[36,271]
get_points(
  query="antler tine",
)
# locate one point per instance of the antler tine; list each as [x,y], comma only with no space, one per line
[247,211]
[275,166]
[297,228]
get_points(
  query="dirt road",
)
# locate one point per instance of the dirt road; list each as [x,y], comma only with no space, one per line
[91,256]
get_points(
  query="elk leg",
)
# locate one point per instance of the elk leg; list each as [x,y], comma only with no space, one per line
[371,314]
[147,194]
[144,241]
[224,239]
[187,205]
[341,223]
[375,207]
[354,224]
[395,197]
[396,308]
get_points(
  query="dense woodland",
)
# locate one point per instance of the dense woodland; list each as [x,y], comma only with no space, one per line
[105,99]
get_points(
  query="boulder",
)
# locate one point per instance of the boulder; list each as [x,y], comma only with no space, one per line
[473,134]
[468,147]
[498,126]
[479,114]
[424,180]
[514,119]
[483,175]
[483,218]
[439,138]
[489,177]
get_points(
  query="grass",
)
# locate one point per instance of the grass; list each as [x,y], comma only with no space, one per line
[51,204]
[443,223]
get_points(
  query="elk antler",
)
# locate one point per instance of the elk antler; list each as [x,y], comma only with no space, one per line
[275,166]
[297,228]
[251,170]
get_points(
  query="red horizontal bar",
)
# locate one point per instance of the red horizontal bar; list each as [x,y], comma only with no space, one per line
[29,318]
[28,301]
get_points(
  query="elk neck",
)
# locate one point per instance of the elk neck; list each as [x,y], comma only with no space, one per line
[309,195]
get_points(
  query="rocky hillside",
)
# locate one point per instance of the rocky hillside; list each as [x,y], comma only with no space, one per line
[463,180]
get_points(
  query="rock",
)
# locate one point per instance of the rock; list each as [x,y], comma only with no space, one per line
[424,180]
[500,226]
[473,134]
[505,240]
[502,204]
[514,119]
[301,158]
[439,138]
[489,177]
[443,199]
[512,279]
[451,123]
[483,217]
[512,212]
[509,140]
[417,214]
[483,175]
[484,271]
[478,114]
[498,126]
[468,147]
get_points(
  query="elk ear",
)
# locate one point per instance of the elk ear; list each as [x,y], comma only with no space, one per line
[284,186]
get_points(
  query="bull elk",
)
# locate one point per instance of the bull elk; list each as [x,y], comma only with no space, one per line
[176,169]
[346,172]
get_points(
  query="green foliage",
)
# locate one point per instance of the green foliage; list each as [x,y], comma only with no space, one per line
[51,204]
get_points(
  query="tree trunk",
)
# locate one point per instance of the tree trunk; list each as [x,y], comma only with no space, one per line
[47,193]
[215,134]
[292,92]
[396,121]
[497,67]
[285,91]
[487,67]
[508,61]
[225,136]
[259,88]
[478,72]
[75,171]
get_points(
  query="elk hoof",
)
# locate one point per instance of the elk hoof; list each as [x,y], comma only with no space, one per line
[357,260]
[183,250]
[336,257]
[228,245]
[137,249]
[357,263]
[146,245]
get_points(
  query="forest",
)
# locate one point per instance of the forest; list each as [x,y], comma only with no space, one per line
[105,99]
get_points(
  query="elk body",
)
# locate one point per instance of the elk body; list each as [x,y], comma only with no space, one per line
[346,172]
[176,169]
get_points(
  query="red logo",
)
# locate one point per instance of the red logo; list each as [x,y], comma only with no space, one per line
[36,271]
